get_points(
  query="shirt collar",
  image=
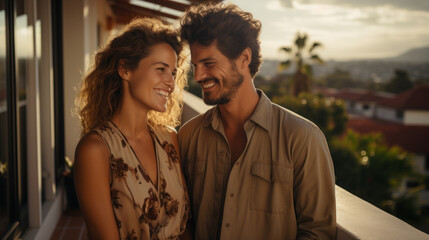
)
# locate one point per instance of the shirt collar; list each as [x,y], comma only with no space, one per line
[261,115]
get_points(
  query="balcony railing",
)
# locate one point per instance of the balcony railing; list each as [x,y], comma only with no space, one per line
[356,218]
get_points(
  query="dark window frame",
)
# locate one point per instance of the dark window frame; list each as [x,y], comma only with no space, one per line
[15,227]
[58,73]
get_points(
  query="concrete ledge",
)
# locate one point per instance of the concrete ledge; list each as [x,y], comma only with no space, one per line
[192,106]
[358,219]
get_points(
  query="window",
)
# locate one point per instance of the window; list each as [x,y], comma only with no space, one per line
[412,183]
[45,78]
[365,106]
[4,219]
[427,162]
[27,71]
[399,114]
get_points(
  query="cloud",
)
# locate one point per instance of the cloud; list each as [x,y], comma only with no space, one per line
[286,3]
[413,5]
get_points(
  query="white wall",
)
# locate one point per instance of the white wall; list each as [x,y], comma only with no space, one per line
[104,12]
[74,56]
[359,109]
[79,45]
[414,117]
[419,161]
[388,114]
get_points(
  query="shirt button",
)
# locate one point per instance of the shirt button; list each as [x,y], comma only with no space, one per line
[227,225]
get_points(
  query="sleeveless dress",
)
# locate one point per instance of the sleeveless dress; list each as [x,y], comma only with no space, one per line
[143,210]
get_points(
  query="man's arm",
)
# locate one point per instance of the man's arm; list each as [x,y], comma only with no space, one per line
[314,187]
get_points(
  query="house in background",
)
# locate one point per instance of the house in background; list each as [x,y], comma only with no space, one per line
[359,102]
[404,121]
[410,108]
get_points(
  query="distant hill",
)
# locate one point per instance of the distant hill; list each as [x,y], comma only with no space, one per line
[413,55]
[415,61]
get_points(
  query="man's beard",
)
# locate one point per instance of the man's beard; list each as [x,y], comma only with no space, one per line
[228,91]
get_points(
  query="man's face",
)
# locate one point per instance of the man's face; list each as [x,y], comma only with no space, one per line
[217,75]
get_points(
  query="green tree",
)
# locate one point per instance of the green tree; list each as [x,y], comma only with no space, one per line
[339,79]
[276,86]
[328,114]
[193,87]
[367,167]
[399,83]
[303,73]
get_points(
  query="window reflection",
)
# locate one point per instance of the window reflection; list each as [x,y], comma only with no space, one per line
[24,59]
[4,222]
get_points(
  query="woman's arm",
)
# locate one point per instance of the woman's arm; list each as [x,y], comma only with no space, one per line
[92,171]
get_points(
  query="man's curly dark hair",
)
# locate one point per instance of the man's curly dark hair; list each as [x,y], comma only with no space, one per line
[231,28]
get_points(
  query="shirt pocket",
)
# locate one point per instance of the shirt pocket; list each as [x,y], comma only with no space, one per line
[271,187]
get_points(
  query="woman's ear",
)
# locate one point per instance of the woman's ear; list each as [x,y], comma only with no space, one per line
[123,72]
[245,58]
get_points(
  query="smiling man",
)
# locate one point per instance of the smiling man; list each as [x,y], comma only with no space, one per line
[254,169]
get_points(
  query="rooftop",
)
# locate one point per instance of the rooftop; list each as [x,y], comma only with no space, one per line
[416,98]
[409,137]
[352,94]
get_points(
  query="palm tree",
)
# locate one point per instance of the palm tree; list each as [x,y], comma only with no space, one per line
[301,79]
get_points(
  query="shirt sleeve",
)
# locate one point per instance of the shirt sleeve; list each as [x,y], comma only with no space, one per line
[314,187]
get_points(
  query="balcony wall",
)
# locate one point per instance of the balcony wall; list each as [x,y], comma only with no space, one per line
[356,218]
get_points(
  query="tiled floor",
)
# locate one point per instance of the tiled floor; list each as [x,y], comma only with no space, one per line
[70,227]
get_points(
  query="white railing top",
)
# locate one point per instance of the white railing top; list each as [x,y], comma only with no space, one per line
[195,102]
[362,220]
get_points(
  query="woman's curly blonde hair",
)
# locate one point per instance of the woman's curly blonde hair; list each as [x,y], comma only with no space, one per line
[101,88]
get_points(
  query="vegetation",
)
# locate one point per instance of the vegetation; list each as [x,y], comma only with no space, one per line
[303,73]
[367,167]
[399,83]
[327,113]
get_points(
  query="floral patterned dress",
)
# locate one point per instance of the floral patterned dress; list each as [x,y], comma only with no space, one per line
[143,210]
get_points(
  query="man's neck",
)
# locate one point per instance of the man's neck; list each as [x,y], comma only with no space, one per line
[240,108]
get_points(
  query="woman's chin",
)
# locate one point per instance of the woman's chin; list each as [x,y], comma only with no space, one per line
[160,109]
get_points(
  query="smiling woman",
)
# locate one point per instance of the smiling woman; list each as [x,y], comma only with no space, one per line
[127,172]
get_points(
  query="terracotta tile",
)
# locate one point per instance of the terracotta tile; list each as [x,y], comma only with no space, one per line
[84,235]
[56,234]
[71,234]
[72,212]
[63,221]
[75,222]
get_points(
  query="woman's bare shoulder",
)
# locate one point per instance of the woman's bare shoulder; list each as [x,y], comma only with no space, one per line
[91,146]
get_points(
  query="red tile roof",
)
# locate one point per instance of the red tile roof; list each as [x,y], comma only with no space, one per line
[359,95]
[413,139]
[416,98]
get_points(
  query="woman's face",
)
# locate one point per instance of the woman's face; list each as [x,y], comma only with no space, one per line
[151,83]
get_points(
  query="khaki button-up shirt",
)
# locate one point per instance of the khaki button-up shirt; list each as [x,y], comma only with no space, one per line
[282,186]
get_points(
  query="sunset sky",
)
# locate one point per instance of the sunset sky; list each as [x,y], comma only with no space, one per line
[348,29]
